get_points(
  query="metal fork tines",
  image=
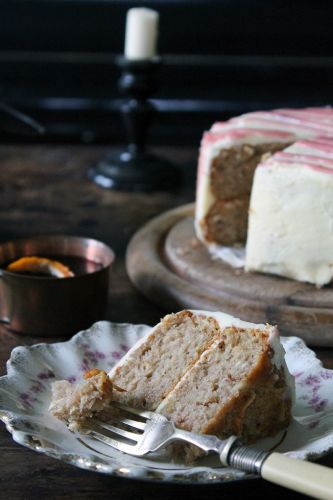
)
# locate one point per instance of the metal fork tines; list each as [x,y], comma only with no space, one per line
[139,432]
[131,430]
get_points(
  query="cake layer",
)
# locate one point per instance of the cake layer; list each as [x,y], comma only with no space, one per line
[234,389]
[291,214]
[226,221]
[153,367]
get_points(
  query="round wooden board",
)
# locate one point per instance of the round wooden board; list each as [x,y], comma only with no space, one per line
[173,269]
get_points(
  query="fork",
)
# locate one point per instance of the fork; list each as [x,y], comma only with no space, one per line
[139,432]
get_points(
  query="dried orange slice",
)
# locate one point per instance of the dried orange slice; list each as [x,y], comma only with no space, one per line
[40,265]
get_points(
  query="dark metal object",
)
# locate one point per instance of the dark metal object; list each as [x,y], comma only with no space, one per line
[47,307]
[15,122]
[136,169]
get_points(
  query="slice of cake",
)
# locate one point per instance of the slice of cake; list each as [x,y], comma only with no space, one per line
[207,372]
[238,385]
[291,214]
[229,154]
[153,367]
[234,388]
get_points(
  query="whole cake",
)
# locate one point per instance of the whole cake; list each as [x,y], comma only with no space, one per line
[208,372]
[229,154]
[290,230]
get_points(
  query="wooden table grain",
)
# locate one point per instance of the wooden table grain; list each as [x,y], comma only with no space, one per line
[45,190]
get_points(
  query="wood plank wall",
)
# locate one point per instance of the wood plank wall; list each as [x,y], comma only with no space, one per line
[220,58]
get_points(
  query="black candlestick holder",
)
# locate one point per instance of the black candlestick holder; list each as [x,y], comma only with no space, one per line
[136,169]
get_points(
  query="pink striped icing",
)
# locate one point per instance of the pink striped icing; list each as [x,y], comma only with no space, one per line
[244,132]
[318,145]
[310,126]
[309,122]
[293,121]
[314,154]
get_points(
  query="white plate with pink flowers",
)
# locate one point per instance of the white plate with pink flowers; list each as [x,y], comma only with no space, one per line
[26,390]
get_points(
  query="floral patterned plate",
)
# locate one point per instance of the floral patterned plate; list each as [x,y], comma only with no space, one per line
[25,396]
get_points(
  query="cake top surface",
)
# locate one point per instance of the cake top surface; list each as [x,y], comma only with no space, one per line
[280,124]
[316,154]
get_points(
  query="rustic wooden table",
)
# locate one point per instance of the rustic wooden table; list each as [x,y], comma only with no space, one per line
[45,190]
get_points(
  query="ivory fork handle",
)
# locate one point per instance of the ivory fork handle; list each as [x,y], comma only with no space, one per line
[305,477]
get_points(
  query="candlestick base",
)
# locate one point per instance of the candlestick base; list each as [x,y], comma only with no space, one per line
[135,172]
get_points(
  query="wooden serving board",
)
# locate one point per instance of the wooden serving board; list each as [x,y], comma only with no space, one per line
[173,269]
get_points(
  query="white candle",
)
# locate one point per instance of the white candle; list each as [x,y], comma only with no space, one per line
[141,33]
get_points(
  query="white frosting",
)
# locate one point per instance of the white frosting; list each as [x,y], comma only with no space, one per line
[291,223]
[311,150]
[225,320]
[234,256]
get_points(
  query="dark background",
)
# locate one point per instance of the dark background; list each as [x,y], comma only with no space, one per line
[221,58]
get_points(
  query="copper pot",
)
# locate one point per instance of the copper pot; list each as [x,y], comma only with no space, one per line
[46,306]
